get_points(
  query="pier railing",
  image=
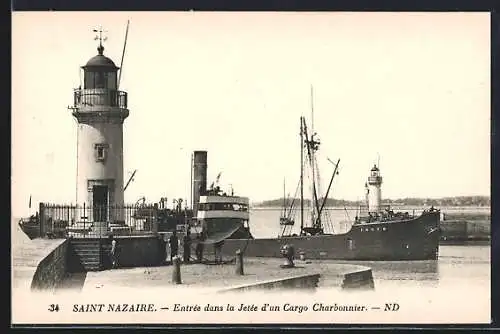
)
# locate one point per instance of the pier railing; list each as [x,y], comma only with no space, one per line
[363,210]
[97,221]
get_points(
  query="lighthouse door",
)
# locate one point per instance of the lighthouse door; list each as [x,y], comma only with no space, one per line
[100,202]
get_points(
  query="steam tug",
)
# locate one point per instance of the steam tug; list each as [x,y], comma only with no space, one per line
[219,215]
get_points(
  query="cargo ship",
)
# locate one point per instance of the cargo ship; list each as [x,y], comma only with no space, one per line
[377,233]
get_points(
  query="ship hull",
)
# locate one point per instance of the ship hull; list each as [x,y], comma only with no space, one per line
[30,229]
[413,239]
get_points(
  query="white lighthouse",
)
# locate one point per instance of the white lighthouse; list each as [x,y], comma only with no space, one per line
[100,110]
[374,191]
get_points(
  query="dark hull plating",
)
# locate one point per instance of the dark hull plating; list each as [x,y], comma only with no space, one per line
[413,239]
[30,229]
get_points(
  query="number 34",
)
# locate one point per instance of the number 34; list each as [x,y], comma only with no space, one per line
[54,307]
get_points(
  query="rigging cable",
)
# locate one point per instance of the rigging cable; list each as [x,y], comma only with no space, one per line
[347,213]
[292,212]
[191,257]
[293,201]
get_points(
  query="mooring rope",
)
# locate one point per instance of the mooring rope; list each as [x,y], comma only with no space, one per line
[234,257]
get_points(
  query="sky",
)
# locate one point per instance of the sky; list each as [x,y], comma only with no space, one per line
[410,88]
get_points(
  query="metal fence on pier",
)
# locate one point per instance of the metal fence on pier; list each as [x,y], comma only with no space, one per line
[97,221]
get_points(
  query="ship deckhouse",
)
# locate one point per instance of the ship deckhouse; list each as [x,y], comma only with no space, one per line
[220,206]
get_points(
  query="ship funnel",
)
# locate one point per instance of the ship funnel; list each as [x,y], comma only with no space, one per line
[199,178]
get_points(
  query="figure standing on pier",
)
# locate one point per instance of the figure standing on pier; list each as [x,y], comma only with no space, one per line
[199,248]
[218,251]
[187,246]
[114,253]
[174,245]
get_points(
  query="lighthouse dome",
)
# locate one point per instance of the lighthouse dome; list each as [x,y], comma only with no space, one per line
[101,61]
[374,168]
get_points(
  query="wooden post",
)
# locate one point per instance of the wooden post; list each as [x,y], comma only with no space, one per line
[176,273]
[155,225]
[239,262]
[154,219]
[42,220]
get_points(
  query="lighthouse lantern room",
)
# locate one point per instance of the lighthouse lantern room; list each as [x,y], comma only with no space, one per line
[100,110]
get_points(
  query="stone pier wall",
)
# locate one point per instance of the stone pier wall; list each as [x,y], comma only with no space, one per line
[51,270]
[362,279]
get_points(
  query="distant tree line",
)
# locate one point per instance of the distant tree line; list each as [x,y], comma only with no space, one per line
[410,201]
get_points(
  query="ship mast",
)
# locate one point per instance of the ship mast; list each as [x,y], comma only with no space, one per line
[312,146]
[313,170]
[123,56]
[301,176]
[284,199]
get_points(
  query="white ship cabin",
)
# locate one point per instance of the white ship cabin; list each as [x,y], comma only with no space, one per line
[220,206]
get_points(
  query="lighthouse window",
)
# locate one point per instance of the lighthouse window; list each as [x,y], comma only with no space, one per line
[111,80]
[89,80]
[100,152]
[100,79]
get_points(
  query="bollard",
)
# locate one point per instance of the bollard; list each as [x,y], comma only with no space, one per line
[239,262]
[288,252]
[176,273]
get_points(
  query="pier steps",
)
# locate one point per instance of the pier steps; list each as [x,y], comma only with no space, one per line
[86,255]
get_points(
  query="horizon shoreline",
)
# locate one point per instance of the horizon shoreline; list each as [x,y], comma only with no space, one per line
[271,206]
[455,201]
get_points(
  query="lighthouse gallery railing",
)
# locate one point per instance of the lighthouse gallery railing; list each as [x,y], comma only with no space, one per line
[100,97]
